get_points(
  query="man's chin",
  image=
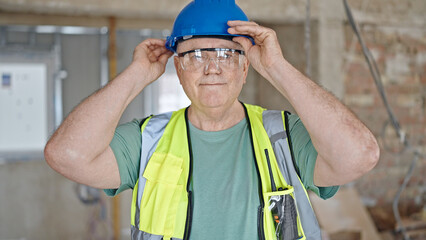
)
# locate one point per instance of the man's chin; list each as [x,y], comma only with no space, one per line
[213,102]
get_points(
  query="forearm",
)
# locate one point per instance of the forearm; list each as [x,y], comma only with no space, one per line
[89,128]
[346,148]
[342,141]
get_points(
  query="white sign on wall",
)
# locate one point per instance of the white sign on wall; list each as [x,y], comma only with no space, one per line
[23,107]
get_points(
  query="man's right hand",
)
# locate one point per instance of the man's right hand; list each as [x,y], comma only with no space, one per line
[151,55]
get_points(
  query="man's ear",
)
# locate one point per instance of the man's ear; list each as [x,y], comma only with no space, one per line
[178,67]
[246,66]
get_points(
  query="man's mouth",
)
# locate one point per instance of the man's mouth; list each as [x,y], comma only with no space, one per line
[212,84]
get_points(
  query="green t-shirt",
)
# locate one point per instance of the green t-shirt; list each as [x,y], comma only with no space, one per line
[225,184]
[224,180]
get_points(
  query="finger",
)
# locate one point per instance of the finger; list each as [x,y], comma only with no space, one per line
[257,32]
[155,45]
[252,30]
[152,43]
[165,56]
[157,52]
[238,22]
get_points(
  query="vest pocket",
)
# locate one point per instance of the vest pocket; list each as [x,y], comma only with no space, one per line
[161,195]
[280,207]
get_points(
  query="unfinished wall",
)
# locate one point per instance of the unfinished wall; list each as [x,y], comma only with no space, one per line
[399,47]
[35,201]
[396,36]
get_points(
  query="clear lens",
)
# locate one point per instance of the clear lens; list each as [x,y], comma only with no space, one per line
[199,59]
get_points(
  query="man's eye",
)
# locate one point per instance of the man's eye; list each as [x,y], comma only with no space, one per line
[224,56]
[195,56]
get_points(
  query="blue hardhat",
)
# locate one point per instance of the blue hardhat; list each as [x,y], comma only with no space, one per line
[205,18]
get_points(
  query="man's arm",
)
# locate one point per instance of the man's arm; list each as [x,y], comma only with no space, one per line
[79,149]
[346,147]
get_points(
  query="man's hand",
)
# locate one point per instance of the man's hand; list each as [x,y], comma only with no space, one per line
[267,51]
[151,55]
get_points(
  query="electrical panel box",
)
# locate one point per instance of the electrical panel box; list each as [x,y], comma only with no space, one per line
[23,107]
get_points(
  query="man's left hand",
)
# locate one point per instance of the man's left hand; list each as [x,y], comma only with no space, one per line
[266,53]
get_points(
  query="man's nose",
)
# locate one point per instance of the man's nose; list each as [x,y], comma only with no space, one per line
[212,67]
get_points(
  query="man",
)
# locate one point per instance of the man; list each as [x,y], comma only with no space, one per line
[219,169]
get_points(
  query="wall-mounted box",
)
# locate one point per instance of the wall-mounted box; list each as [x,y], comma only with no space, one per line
[23,107]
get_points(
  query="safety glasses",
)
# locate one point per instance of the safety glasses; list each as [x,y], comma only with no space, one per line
[199,59]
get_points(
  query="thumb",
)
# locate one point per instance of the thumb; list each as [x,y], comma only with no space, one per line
[244,42]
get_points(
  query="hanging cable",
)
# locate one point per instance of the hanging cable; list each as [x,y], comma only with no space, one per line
[364,5]
[393,120]
[375,73]
[98,227]
[398,194]
[308,39]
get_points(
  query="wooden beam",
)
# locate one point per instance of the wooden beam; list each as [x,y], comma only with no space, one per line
[10,18]
[112,57]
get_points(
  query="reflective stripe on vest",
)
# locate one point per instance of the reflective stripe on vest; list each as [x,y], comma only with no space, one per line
[278,132]
[160,202]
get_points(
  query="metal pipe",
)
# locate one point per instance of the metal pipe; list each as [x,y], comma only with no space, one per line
[112,56]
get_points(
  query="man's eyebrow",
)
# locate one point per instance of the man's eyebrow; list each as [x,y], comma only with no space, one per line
[237,47]
[231,45]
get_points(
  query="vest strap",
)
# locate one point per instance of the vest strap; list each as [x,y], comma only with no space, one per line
[275,123]
[278,136]
[141,235]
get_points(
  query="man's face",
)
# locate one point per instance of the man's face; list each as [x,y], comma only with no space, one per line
[211,86]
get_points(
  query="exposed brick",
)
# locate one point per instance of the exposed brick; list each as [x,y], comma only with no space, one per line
[362,100]
[409,100]
[401,59]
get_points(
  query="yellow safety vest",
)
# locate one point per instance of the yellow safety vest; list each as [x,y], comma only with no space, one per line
[162,200]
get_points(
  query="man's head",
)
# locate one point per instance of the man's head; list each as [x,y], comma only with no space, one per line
[211,71]
[211,67]
[204,18]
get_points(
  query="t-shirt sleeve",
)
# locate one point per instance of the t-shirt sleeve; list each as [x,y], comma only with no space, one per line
[305,156]
[126,145]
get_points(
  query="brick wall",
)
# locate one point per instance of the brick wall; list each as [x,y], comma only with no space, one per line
[400,53]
